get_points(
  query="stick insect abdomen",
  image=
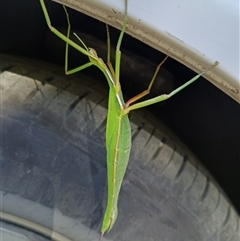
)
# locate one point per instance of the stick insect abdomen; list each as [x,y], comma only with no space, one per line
[118,144]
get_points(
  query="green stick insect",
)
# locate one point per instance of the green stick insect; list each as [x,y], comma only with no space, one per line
[118,131]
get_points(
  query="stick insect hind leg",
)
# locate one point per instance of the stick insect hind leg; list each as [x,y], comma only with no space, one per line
[166,96]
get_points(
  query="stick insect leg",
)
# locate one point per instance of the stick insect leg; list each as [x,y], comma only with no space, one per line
[84,66]
[118,52]
[147,91]
[109,64]
[66,40]
[167,96]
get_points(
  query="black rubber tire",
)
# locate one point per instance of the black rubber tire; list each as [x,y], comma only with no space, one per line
[53,165]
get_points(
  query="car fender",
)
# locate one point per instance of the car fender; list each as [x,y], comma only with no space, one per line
[195,33]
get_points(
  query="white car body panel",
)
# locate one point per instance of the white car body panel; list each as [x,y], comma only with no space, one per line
[195,33]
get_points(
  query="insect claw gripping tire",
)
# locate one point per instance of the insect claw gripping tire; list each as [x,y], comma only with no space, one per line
[53,166]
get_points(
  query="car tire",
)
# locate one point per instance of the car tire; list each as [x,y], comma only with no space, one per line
[53,166]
